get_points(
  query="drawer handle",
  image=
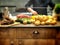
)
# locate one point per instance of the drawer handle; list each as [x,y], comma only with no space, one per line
[12,43]
[35,32]
[20,43]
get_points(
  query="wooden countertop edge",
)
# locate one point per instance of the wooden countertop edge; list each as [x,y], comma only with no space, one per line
[31,25]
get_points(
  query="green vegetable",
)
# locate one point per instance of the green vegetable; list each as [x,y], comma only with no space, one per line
[24,19]
[19,20]
[57,8]
[28,22]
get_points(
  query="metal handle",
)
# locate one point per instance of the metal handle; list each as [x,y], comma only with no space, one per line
[12,43]
[20,43]
[35,32]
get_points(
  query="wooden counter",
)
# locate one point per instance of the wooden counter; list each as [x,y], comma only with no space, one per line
[31,25]
[30,34]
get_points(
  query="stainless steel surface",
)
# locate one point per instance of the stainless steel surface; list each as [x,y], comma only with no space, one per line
[16,13]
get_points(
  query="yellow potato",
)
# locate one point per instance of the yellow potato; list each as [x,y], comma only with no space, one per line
[41,18]
[53,22]
[37,17]
[45,18]
[32,20]
[37,22]
[42,23]
[48,21]
[24,22]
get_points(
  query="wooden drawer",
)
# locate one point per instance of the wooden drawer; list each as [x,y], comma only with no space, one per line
[8,41]
[37,42]
[8,33]
[27,42]
[58,42]
[12,32]
[36,33]
[13,41]
[51,41]
[4,33]
[58,35]
[4,42]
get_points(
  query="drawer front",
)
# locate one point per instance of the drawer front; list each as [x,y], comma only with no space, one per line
[51,42]
[58,42]
[27,42]
[58,34]
[37,42]
[4,42]
[13,41]
[8,41]
[46,42]
[4,33]
[36,33]
[12,32]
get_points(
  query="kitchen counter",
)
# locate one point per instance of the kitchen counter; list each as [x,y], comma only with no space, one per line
[31,25]
[30,34]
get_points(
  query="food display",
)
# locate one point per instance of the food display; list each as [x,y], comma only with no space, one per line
[36,19]
[44,20]
[24,19]
[6,21]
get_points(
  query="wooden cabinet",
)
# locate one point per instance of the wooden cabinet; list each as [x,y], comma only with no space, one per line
[27,42]
[4,41]
[58,42]
[12,32]
[38,42]
[39,33]
[4,33]
[28,36]
[58,34]
[13,41]
[51,42]
[58,37]
[8,41]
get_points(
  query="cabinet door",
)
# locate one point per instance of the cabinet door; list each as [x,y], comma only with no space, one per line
[58,34]
[45,42]
[13,42]
[38,42]
[8,42]
[3,33]
[36,33]
[51,41]
[27,42]
[12,32]
[58,42]
[4,42]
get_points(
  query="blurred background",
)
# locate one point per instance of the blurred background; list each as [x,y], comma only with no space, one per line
[16,4]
